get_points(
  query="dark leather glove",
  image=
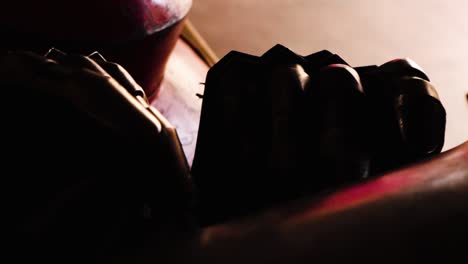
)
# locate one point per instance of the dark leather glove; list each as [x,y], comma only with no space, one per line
[280,126]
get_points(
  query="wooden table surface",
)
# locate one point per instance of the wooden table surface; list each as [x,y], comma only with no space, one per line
[434,33]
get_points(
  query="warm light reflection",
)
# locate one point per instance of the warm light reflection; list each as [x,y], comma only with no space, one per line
[447,170]
[302,75]
[161,14]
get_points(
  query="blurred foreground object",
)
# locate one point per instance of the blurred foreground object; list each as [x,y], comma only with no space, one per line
[280,126]
[92,168]
[138,34]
